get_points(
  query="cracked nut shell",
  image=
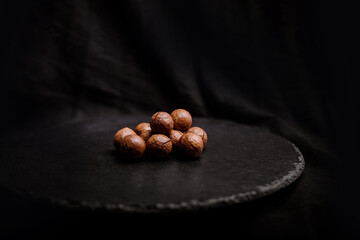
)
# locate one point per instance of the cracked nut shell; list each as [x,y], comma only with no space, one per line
[161,122]
[159,146]
[191,144]
[200,132]
[120,135]
[143,130]
[182,119]
[175,136]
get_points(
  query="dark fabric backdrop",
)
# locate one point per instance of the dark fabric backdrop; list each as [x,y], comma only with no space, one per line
[282,65]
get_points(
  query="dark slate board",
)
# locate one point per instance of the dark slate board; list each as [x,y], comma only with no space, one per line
[74,164]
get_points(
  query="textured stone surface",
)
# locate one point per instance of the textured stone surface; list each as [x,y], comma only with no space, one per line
[75,164]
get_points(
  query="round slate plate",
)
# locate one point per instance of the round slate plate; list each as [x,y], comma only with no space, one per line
[74,164]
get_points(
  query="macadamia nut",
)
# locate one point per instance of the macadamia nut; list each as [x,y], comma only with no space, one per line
[200,132]
[120,135]
[143,130]
[182,119]
[175,136]
[161,135]
[161,122]
[133,146]
[191,144]
[159,145]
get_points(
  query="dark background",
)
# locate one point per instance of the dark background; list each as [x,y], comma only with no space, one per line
[281,65]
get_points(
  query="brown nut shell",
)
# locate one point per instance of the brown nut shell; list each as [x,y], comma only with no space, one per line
[200,132]
[133,146]
[161,122]
[175,136]
[143,130]
[182,119]
[159,146]
[120,135]
[191,144]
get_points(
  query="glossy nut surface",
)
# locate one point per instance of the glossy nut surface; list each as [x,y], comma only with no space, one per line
[143,130]
[133,146]
[200,132]
[161,122]
[182,119]
[120,135]
[159,146]
[175,136]
[191,144]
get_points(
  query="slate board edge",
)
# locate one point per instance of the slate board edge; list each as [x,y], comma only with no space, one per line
[260,191]
[191,205]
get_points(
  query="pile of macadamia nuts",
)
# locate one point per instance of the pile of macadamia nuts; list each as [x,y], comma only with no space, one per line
[158,138]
